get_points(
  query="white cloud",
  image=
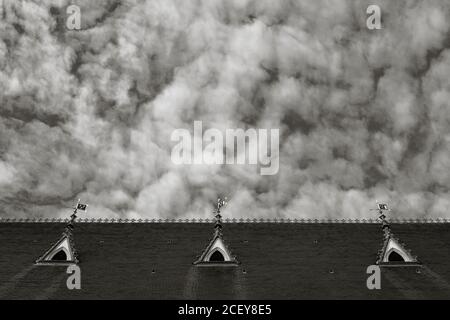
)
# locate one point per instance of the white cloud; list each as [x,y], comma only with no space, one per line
[363,115]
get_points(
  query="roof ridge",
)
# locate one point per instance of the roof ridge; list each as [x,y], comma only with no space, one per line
[226,220]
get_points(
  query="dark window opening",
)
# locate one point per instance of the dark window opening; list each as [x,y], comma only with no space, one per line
[394,256]
[217,256]
[60,256]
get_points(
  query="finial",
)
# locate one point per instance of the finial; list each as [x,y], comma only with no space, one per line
[382,207]
[220,203]
[73,216]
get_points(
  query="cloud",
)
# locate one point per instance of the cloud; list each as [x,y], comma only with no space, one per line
[364,115]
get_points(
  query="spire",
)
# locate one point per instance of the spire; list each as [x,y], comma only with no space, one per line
[217,252]
[385,226]
[218,216]
[393,253]
[63,251]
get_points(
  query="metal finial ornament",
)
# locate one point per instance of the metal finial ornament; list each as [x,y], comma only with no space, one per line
[220,203]
[384,223]
[79,206]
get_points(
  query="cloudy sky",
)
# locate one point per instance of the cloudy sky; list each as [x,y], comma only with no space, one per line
[364,115]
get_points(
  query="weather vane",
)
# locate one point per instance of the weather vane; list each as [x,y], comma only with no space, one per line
[220,203]
[79,206]
[381,208]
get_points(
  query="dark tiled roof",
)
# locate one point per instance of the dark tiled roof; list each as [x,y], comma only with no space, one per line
[278,261]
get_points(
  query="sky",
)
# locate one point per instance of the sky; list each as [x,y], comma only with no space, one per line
[363,115]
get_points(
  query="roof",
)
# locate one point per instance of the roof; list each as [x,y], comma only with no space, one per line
[277,261]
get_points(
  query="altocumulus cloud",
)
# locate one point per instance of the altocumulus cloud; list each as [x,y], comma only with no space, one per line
[363,115]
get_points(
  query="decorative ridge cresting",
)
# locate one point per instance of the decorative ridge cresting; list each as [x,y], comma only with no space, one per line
[226,220]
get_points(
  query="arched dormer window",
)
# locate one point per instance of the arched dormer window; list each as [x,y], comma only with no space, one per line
[216,256]
[395,254]
[63,252]
[217,253]
[59,256]
[60,253]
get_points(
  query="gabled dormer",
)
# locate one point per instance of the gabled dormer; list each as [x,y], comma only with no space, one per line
[217,253]
[393,253]
[63,252]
